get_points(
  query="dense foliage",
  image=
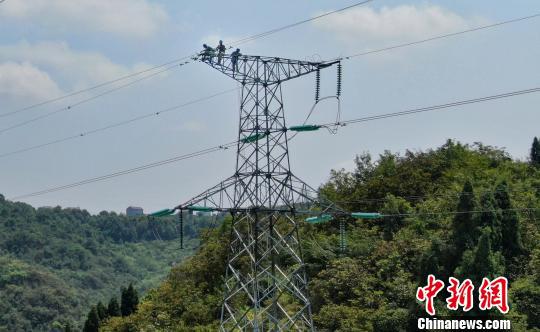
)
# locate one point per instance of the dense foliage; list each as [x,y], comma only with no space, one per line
[55,263]
[99,314]
[459,210]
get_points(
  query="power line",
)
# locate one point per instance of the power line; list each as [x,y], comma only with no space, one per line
[177,61]
[114,125]
[436,37]
[421,197]
[130,170]
[83,101]
[78,92]
[227,145]
[455,212]
[292,25]
[433,108]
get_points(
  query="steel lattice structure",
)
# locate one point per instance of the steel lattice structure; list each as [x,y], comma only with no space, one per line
[265,281]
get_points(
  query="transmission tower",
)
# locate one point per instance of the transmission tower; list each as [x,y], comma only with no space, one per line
[265,280]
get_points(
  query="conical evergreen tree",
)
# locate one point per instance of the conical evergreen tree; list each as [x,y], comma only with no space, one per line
[482,261]
[491,218]
[113,309]
[535,152]
[463,226]
[130,301]
[485,264]
[511,234]
[102,311]
[92,321]
[430,262]
[464,221]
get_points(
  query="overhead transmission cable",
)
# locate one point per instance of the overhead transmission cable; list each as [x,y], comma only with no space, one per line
[131,170]
[456,212]
[230,144]
[292,25]
[179,60]
[453,34]
[115,125]
[78,92]
[434,107]
[83,101]
[435,195]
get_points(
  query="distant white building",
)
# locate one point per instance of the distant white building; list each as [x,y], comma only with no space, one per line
[134,211]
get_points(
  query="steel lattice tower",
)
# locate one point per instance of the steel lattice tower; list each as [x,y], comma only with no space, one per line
[265,281]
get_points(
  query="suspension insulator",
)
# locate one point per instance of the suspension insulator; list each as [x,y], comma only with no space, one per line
[339,79]
[317,85]
[181,230]
[342,237]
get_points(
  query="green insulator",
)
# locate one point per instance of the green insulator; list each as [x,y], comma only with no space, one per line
[305,128]
[366,215]
[253,138]
[162,213]
[319,219]
[200,208]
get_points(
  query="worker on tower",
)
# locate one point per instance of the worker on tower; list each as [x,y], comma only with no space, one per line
[234,59]
[207,53]
[221,50]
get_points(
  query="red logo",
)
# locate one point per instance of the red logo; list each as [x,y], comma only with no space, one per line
[491,294]
[494,294]
[460,295]
[429,292]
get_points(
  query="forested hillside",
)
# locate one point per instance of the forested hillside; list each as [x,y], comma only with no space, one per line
[468,211]
[55,263]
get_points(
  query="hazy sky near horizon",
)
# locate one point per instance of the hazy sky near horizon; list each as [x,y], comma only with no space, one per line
[53,47]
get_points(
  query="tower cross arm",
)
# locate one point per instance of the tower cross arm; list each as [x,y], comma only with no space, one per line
[250,69]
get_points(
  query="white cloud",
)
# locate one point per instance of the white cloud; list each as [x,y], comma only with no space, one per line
[405,22]
[128,18]
[75,69]
[23,80]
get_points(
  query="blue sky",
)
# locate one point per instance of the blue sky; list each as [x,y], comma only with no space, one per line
[53,47]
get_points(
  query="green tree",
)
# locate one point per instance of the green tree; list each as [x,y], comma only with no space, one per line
[92,321]
[511,242]
[534,265]
[102,311]
[129,301]
[535,152]
[431,261]
[490,218]
[113,309]
[463,225]
[479,263]
[464,220]
[395,207]
[525,294]
[68,328]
